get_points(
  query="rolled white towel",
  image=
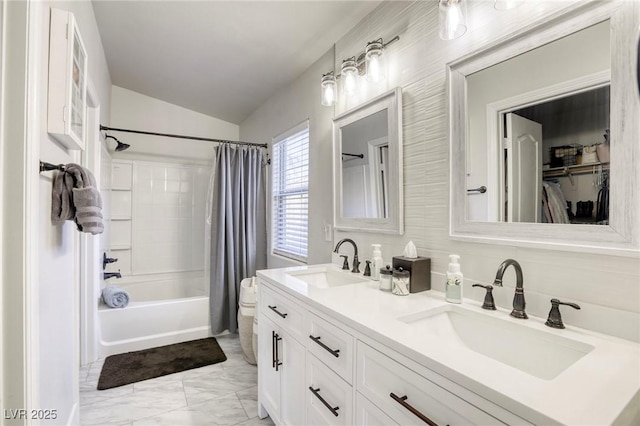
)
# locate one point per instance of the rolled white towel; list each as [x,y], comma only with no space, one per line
[115,297]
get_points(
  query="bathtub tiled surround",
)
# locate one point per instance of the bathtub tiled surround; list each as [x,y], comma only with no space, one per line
[158,216]
[168,217]
[219,394]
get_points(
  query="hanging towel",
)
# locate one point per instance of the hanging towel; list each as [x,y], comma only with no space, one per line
[75,197]
[115,297]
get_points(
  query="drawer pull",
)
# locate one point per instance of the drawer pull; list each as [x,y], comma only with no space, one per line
[273,308]
[275,337]
[403,401]
[334,352]
[316,392]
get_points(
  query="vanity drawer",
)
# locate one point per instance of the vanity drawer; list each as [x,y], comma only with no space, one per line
[330,344]
[397,390]
[286,313]
[329,399]
[367,414]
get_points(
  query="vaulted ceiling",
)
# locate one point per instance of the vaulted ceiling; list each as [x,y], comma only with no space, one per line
[220,58]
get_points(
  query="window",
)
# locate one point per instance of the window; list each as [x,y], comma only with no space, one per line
[290,193]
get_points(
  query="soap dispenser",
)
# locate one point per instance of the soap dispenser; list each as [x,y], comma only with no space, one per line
[454,280]
[376,262]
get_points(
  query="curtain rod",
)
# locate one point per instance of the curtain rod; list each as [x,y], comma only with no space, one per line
[169,135]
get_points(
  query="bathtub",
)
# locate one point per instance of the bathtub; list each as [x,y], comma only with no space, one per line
[161,312]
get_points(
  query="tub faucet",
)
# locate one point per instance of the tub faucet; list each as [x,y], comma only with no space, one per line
[107,275]
[518,298]
[356,263]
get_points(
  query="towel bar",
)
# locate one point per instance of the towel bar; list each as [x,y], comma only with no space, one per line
[46,167]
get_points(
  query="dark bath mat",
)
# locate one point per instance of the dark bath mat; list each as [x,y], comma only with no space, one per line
[123,369]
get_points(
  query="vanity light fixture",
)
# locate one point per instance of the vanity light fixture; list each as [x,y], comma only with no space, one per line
[375,61]
[349,71]
[328,89]
[507,4]
[452,17]
[370,62]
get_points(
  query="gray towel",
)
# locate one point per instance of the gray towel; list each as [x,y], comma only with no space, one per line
[115,297]
[75,197]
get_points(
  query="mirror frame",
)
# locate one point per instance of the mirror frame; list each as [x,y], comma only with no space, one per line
[394,223]
[622,235]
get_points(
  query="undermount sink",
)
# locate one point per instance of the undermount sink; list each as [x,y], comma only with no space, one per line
[532,351]
[325,277]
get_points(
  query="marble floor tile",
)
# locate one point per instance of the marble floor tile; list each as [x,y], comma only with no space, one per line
[225,410]
[249,400]
[256,421]
[89,392]
[134,406]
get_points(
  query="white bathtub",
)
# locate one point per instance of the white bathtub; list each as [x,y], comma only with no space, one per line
[160,313]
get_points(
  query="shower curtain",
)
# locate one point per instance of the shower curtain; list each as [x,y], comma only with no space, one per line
[238,229]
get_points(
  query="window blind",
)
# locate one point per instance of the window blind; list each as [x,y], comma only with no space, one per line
[290,194]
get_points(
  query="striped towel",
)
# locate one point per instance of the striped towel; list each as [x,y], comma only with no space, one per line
[75,197]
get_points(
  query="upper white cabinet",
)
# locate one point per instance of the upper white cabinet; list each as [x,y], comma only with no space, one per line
[67,81]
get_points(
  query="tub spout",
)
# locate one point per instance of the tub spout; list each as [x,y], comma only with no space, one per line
[107,275]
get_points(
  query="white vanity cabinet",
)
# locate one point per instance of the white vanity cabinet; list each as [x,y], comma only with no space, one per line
[281,361]
[315,370]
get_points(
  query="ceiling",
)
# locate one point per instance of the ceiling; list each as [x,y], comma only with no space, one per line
[220,58]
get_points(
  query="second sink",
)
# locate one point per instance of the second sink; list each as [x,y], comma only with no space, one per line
[532,351]
[324,277]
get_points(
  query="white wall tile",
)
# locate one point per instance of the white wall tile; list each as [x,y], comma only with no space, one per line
[121,204]
[120,233]
[121,175]
[168,217]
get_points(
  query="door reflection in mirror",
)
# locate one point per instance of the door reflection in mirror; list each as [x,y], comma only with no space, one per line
[552,166]
[536,124]
[365,159]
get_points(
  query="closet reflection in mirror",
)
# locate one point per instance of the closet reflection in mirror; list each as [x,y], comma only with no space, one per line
[365,155]
[539,134]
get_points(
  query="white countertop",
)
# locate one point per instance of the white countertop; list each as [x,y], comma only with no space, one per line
[595,390]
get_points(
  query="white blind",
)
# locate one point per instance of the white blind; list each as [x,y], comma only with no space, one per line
[290,192]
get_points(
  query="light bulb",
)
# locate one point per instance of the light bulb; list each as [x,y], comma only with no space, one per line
[328,89]
[452,19]
[375,61]
[349,72]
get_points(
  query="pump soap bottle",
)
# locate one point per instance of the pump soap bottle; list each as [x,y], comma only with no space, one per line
[376,262]
[454,280]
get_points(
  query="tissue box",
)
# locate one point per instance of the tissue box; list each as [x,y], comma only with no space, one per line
[420,269]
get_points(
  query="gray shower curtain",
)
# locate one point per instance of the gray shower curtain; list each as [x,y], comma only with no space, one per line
[238,230]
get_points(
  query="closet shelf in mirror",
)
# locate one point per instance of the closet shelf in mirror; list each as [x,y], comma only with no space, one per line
[576,169]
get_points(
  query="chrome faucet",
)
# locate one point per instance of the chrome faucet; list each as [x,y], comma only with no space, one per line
[356,263]
[518,298]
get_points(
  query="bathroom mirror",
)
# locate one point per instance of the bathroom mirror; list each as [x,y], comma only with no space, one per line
[367,166]
[544,128]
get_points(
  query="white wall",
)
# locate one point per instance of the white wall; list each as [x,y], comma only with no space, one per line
[292,105]
[41,271]
[605,286]
[131,110]
[57,282]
